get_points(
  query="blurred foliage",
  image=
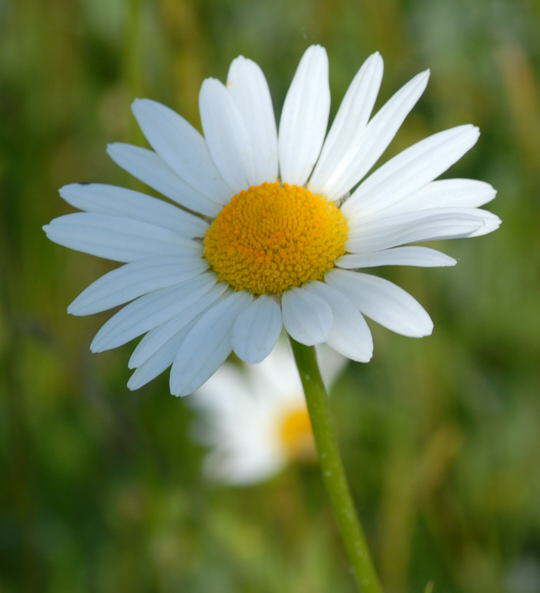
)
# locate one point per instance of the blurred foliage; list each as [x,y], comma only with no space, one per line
[101,488]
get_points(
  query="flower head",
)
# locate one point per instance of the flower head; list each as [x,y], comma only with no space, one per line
[268,229]
[255,419]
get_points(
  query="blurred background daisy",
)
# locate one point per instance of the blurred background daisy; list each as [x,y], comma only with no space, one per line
[101,487]
[255,418]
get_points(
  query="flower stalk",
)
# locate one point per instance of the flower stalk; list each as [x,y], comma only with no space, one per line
[332,469]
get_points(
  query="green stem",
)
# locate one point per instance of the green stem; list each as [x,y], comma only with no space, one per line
[332,469]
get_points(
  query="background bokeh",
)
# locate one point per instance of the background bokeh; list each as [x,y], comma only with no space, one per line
[100,488]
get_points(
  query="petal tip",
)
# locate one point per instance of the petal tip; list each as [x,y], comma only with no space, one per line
[175,391]
[72,308]
[78,310]
[253,358]
[65,189]
[96,346]
[239,59]
[496,223]
[138,105]
[132,384]
[421,79]
[470,129]
[421,330]
[211,81]
[428,330]
[376,58]
[315,51]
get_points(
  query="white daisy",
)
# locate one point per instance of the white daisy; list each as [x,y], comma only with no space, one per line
[255,419]
[270,229]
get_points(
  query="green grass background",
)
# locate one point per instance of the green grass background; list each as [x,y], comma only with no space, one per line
[100,488]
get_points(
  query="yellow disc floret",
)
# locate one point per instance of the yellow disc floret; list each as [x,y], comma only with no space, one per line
[273,237]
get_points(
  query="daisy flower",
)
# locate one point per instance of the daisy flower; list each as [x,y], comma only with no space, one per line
[269,228]
[255,419]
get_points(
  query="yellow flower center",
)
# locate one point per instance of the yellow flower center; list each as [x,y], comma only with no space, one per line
[295,435]
[273,237]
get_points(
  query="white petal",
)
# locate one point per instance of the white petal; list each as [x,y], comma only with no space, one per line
[135,279]
[239,471]
[226,135]
[206,345]
[149,311]
[245,460]
[237,419]
[331,362]
[421,257]
[148,167]
[384,302]
[160,360]
[348,126]
[409,227]
[157,337]
[223,397]
[410,170]
[116,238]
[277,374]
[350,334]
[304,117]
[306,317]
[183,149]
[119,201]
[447,193]
[249,89]
[491,222]
[377,136]
[257,329]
